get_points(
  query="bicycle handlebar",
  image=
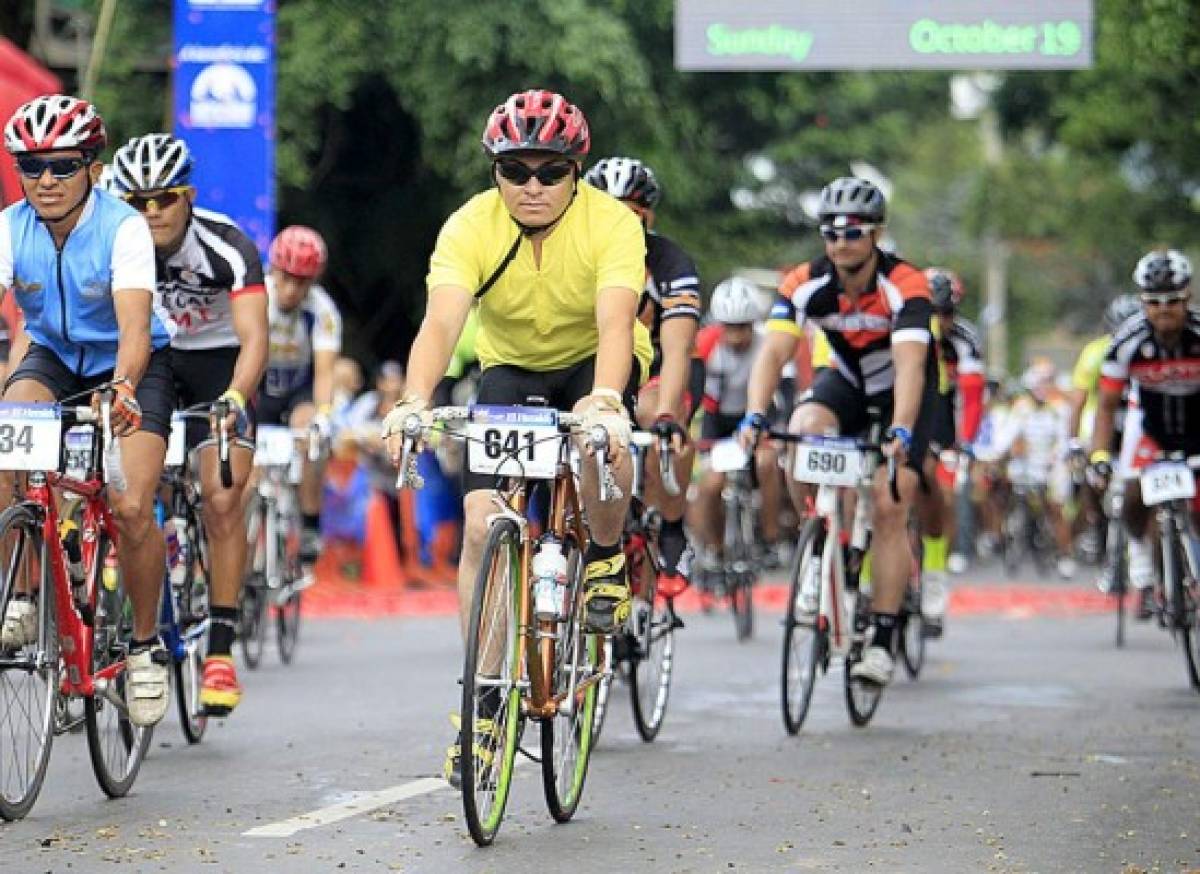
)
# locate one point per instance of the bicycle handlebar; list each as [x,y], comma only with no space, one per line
[221,409]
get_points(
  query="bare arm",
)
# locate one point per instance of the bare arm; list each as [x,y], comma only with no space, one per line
[677,337]
[616,310]
[777,350]
[909,359]
[429,357]
[323,361]
[250,325]
[1077,400]
[1106,412]
[132,308]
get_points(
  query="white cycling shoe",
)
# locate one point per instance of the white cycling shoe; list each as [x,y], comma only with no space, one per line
[147,685]
[876,666]
[20,625]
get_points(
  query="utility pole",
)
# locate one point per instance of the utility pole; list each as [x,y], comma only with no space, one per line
[995,253]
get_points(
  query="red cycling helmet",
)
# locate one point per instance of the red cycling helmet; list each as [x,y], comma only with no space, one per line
[298,250]
[55,121]
[537,121]
[945,288]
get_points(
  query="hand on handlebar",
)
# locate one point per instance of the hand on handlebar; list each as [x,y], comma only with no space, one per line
[237,421]
[750,431]
[394,423]
[612,417]
[897,444]
[665,427]
[126,411]
[1099,470]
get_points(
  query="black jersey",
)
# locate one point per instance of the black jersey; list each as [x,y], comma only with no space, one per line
[672,288]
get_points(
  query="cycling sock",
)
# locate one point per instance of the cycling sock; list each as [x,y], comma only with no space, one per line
[935,553]
[136,646]
[311,521]
[221,630]
[885,625]
[671,541]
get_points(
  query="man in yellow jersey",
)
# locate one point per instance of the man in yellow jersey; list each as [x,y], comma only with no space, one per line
[556,269]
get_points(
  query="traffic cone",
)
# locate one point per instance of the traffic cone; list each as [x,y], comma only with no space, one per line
[381,559]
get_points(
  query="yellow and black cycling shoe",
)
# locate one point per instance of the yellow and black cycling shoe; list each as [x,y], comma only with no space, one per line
[484,750]
[606,598]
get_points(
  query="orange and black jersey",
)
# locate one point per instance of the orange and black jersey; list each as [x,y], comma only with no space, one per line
[894,308]
[672,288]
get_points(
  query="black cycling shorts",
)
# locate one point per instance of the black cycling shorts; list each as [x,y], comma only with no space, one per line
[560,389]
[155,392]
[718,426]
[202,376]
[942,432]
[850,404]
[278,409]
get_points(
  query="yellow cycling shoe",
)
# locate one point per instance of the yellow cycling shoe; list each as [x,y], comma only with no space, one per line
[483,749]
[220,691]
[606,597]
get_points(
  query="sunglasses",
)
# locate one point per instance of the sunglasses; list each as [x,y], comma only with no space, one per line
[1164,300]
[851,234]
[32,167]
[519,173]
[163,199]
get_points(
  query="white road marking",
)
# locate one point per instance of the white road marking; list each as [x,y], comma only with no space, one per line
[364,803]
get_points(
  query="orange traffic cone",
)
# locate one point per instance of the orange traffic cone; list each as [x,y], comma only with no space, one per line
[381,559]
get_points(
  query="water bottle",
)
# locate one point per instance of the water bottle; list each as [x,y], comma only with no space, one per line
[75,569]
[178,550]
[114,472]
[549,579]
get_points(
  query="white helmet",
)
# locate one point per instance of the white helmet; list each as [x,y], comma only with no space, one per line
[151,162]
[735,302]
[1163,270]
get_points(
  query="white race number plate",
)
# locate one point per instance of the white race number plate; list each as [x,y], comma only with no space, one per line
[1167,481]
[273,446]
[30,436]
[521,442]
[727,456]
[177,445]
[828,463]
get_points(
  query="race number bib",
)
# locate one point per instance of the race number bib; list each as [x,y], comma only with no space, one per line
[828,462]
[30,436]
[177,444]
[1167,481]
[273,446]
[727,456]
[521,442]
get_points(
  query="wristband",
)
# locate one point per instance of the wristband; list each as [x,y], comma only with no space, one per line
[232,394]
[1100,456]
[899,432]
[118,381]
[757,421]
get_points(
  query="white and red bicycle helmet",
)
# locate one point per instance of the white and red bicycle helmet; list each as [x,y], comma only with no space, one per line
[54,122]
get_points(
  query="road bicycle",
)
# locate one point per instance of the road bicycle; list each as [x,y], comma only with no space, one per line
[1115,574]
[528,656]
[643,652]
[1026,531]
[827,612]
[740,560]
[84,619]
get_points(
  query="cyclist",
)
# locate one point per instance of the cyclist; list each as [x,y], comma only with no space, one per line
[670,308]
[575,341]
[875,311]
[81,265]
[211,282]
[1034,440]
[729,350]
[1158,352]
[306,339]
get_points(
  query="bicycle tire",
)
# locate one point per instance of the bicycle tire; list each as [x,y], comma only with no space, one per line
[567,748]
[862,696]
[652,664]
[287,602]
[252,605]
[912,635]
[287,626]
[804,640]
[1120,587]
[116,746]
[1012,538]
[186,672]
[603,693]
[486,784]
[1178,621]
[21,781]
[191,608]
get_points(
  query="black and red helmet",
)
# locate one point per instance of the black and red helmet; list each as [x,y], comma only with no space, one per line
[537,121]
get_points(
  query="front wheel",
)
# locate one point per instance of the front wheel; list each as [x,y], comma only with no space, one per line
[287,625]
[1179,591]
[912,633]
[116,746]
[653,639]
[804,640]
[187,672]
[252,626]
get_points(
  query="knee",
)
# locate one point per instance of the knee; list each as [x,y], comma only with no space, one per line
[134,517]
[222,513]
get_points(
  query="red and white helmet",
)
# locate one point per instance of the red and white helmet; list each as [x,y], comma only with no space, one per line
[56,121]
[537,121]
[298,250]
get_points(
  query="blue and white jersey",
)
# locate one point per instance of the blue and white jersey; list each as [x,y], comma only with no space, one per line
[67,295]
[314,326]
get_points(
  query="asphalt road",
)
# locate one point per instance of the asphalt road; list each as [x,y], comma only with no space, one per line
[1027,745]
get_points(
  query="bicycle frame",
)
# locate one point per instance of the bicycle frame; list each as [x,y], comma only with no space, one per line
[833,612]
[173,637]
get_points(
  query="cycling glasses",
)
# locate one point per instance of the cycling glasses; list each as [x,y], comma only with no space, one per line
[163,199]
[519,173]
[852,234]
[32,167]
[1164,300]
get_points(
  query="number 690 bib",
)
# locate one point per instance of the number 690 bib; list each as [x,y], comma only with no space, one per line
[518,442]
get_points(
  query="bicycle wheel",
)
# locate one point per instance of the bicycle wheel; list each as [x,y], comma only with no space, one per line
[191,610]
[1013,537]
[1182,612]
[186,673]
[29,674]
[912,634]
[116,746]
[862,696]
[603,692]
[653,624]
[567,736]
[252,626]
[287,600]
[491,698]
[1120,575]
[804,640]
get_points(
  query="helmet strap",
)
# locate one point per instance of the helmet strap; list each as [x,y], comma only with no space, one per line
[533,230]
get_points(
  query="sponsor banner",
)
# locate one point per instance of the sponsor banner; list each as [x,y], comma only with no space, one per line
[225,107]
[883,35]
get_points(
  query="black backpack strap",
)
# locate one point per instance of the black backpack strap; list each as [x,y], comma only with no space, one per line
[491,280]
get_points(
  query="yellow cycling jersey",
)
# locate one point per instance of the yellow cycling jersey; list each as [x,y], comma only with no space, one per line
[822,354]
[1086,378]
[543,317]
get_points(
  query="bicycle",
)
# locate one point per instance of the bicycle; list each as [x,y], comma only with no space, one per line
[526,653]
[645,647]
[1026,530]
[739,563]
[1168,486]
[277,576]
[1115,578]
[83,616]
[820,625]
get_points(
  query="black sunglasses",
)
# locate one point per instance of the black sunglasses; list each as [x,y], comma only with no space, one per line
[519,173]
[32,167]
